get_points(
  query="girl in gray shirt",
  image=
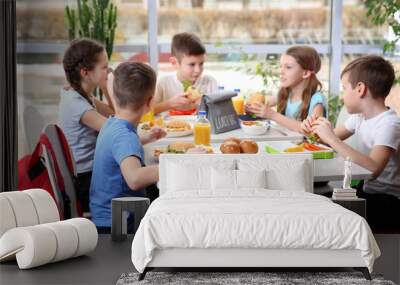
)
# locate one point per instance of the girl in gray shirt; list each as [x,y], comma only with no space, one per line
[81,116]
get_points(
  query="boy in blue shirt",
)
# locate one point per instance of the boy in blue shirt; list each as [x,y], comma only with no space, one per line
[119,169]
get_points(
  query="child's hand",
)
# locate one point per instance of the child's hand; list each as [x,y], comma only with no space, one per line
[323,128]
[154,134]
[179,100]
[306,125]
[260,110]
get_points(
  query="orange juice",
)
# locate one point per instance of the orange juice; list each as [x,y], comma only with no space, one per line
[202,134]
[238,104]
[159,121]
[202,130]
[148,117]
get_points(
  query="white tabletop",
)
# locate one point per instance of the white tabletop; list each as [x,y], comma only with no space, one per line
[324,169]
[333,169]
[275,133]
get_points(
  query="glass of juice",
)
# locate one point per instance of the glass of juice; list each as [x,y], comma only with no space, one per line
[238,104]
[148,117]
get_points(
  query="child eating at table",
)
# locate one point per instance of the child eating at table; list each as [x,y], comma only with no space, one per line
[119,168]
[81,115]
[366,83]
[299,95]
[188,56]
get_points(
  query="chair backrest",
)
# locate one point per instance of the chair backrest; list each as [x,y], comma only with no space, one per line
[53,179]
[33,125]
[68,176]
[294,172]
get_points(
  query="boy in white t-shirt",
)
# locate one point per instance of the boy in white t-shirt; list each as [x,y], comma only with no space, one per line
[188,56]
[366,83]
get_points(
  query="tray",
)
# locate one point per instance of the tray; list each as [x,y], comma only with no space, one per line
[278,147]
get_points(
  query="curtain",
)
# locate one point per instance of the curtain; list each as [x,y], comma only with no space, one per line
[8,97]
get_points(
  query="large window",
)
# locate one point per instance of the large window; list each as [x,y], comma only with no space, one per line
[262,29]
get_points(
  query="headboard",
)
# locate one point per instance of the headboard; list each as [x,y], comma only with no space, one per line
[293,172]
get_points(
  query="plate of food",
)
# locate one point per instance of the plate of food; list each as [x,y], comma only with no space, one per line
[318,151]
[254,127]
[236,145]
[181,148]
[178,128]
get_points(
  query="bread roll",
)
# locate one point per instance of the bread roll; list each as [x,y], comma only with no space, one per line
[248,146]
[230,147]
[233,139]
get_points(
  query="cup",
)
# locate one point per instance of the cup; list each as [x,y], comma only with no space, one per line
[238,104]
[148,117]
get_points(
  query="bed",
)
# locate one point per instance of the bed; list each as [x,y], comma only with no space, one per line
[247,211]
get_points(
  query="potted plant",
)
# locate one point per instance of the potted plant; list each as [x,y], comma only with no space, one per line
[97,20]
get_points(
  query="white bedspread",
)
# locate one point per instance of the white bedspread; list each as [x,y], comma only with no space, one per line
[250,219]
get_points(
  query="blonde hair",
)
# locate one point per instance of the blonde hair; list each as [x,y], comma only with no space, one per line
[308,58]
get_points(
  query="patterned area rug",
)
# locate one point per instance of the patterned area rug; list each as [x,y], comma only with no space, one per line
[273,278]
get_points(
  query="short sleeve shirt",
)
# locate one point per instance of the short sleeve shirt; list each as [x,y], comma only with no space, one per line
[169,86]
[293,108]
[383,129]
[117,140]
[81,139]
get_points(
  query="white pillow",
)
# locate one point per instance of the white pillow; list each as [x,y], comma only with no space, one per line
[251,178]
[222,179]
[190,175]
[284,174]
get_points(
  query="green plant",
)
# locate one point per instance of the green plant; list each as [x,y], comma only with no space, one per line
[335,104]
[385,12]
[267,69]
[97,20]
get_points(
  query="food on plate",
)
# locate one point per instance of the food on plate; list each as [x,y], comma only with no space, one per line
[158,151]
[256,97]
[297,148]
[200,150]
[313,137]
[177,126]
[248,146]
[252,123]
[236,140]
[312,147]
[193,93]
[235,145]
[230,147]
[179,147]
[147,126]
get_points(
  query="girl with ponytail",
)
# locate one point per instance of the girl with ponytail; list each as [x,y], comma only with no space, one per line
[299,95]
[81,116]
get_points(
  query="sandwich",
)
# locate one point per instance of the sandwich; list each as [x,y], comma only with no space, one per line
[193,93]
[179,147]
[177,126]
[256,97]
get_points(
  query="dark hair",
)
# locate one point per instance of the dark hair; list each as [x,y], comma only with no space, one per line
[81,53]
[308,58]
[374,71]
[186,44]
[134,84]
